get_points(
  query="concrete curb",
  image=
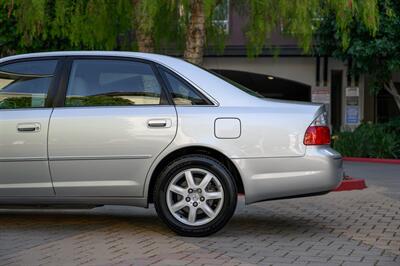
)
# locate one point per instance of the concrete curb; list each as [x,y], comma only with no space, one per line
[351,183]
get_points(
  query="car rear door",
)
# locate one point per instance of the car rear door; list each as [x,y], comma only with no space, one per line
[25,110]
[113,122]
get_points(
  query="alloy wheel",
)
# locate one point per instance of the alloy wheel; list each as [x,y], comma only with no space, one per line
[195,196]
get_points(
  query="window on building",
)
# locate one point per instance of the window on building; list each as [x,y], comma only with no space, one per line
[221,16]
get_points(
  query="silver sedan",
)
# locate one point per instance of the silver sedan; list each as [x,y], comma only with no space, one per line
[121,128]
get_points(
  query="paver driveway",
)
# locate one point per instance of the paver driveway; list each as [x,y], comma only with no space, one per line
[348,228]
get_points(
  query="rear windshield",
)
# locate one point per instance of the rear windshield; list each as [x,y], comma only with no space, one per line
[237,85]
[233,83]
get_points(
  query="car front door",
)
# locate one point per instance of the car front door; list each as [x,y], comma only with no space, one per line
[114,122]
[24,117]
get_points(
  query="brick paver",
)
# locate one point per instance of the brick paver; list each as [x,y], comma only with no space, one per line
[341,228]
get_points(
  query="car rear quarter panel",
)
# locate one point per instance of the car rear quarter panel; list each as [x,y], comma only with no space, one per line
[270,130]
[267,131]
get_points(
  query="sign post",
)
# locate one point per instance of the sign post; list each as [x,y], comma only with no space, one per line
[352,106]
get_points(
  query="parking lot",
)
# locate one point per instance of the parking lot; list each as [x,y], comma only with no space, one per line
[340,228]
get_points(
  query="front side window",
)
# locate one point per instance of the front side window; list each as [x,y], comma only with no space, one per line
[182,93]
[112,83]
[25,84]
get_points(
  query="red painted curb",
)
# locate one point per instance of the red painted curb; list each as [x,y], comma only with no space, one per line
[351,184]
[371,160]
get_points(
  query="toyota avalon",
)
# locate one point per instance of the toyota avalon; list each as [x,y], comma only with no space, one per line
[123,128]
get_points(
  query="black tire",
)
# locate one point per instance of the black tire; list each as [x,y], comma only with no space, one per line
[219,171]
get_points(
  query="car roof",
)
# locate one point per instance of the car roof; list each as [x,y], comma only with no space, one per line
[85,53]
[217,90]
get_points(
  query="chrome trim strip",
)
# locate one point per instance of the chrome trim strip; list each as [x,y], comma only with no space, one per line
[112,157]
[18,75]
[22,159]
[26,185]
[74,158]
[107,183]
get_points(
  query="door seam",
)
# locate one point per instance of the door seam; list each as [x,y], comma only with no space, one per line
[48,155]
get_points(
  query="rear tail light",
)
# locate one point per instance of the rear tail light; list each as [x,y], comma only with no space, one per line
[318,133]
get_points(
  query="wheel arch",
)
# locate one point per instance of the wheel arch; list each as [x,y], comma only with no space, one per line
[194,150]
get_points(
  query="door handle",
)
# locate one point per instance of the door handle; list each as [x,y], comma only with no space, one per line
[159,123]
[28,127]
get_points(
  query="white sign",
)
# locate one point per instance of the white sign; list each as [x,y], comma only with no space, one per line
[321,95]
[352,92]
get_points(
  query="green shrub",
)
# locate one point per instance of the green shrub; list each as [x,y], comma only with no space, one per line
[370,140]
[394,126]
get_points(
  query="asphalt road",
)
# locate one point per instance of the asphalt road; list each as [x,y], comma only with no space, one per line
[376,174]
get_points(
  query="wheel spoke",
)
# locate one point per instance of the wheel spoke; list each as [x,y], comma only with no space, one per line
[178,190]
[179,205]
[194,196]
[213,195]
[206,179]
[189,179]
[192,214]
[207,210]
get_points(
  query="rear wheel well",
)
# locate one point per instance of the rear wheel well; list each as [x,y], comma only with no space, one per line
[195,150]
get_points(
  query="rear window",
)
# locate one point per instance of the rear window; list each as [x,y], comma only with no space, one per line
[103,82]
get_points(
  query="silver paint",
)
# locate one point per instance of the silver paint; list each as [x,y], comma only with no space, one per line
[90,144]
[23,155]
[107,155]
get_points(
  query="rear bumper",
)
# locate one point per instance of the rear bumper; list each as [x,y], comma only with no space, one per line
[320,170]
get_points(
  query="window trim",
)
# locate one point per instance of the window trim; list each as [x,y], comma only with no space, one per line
[162,69]
[53,84]
[29,59]
[66,73]
[58,87]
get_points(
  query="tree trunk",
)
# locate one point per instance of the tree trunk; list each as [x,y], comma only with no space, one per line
[196,33]
[394,92]
[145,42]
[144,37]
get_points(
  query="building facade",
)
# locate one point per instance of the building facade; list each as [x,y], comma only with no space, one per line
[292,75]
